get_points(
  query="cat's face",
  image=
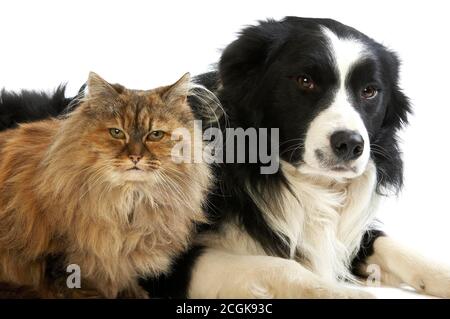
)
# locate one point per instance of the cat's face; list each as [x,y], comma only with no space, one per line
[130,135]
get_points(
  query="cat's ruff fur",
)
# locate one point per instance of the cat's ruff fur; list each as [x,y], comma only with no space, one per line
[55,199]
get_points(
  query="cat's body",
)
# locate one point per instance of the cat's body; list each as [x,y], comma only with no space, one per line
[64,191]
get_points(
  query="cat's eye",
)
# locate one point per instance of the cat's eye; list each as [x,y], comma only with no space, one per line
[306,83]
[155,135]
[117,133]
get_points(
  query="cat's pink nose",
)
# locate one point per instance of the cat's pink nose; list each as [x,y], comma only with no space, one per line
[135,158]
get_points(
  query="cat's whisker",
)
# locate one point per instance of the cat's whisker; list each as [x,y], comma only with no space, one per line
[180,178]
[167,191]
[177,189]
[210,102]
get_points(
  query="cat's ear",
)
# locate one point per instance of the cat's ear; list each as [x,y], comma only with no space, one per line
[99,88]
[177,92]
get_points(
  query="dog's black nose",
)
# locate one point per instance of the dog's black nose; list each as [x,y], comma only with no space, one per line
[347,145]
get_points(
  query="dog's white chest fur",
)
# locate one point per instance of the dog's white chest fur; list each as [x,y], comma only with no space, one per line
[323,223]
[326,219]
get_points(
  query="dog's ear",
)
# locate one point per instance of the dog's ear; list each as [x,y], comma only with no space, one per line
[242,61]
[398,106]
[397,110]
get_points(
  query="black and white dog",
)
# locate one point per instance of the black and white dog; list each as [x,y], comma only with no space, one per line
[333,94]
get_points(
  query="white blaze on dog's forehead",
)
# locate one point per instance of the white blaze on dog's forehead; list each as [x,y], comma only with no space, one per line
[346,53]
[340,114]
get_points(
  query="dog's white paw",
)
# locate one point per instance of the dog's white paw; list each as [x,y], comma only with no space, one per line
[304,289]
[333,291]
[432,280]
[354,293]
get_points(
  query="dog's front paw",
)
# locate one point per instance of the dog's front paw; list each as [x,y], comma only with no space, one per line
[305,289]
[354,293]
[432,280]
[337,291]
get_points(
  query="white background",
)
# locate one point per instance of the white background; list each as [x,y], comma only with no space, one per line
[143,44]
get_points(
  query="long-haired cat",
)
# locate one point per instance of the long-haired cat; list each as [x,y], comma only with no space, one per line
[101,188]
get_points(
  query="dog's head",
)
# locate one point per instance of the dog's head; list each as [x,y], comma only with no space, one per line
[332,91]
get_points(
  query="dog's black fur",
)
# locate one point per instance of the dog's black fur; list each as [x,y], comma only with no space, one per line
[27,106]
[254,86]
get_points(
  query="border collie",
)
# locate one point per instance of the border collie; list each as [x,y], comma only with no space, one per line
[299,233]
[333,93]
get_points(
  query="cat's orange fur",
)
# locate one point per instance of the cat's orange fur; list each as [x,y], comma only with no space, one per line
[65,189]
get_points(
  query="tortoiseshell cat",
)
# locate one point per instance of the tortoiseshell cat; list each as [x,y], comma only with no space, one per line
[100,187]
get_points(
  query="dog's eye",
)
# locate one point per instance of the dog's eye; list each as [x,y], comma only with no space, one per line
[156,135]
[117,133]
[369,92]
[306,82]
